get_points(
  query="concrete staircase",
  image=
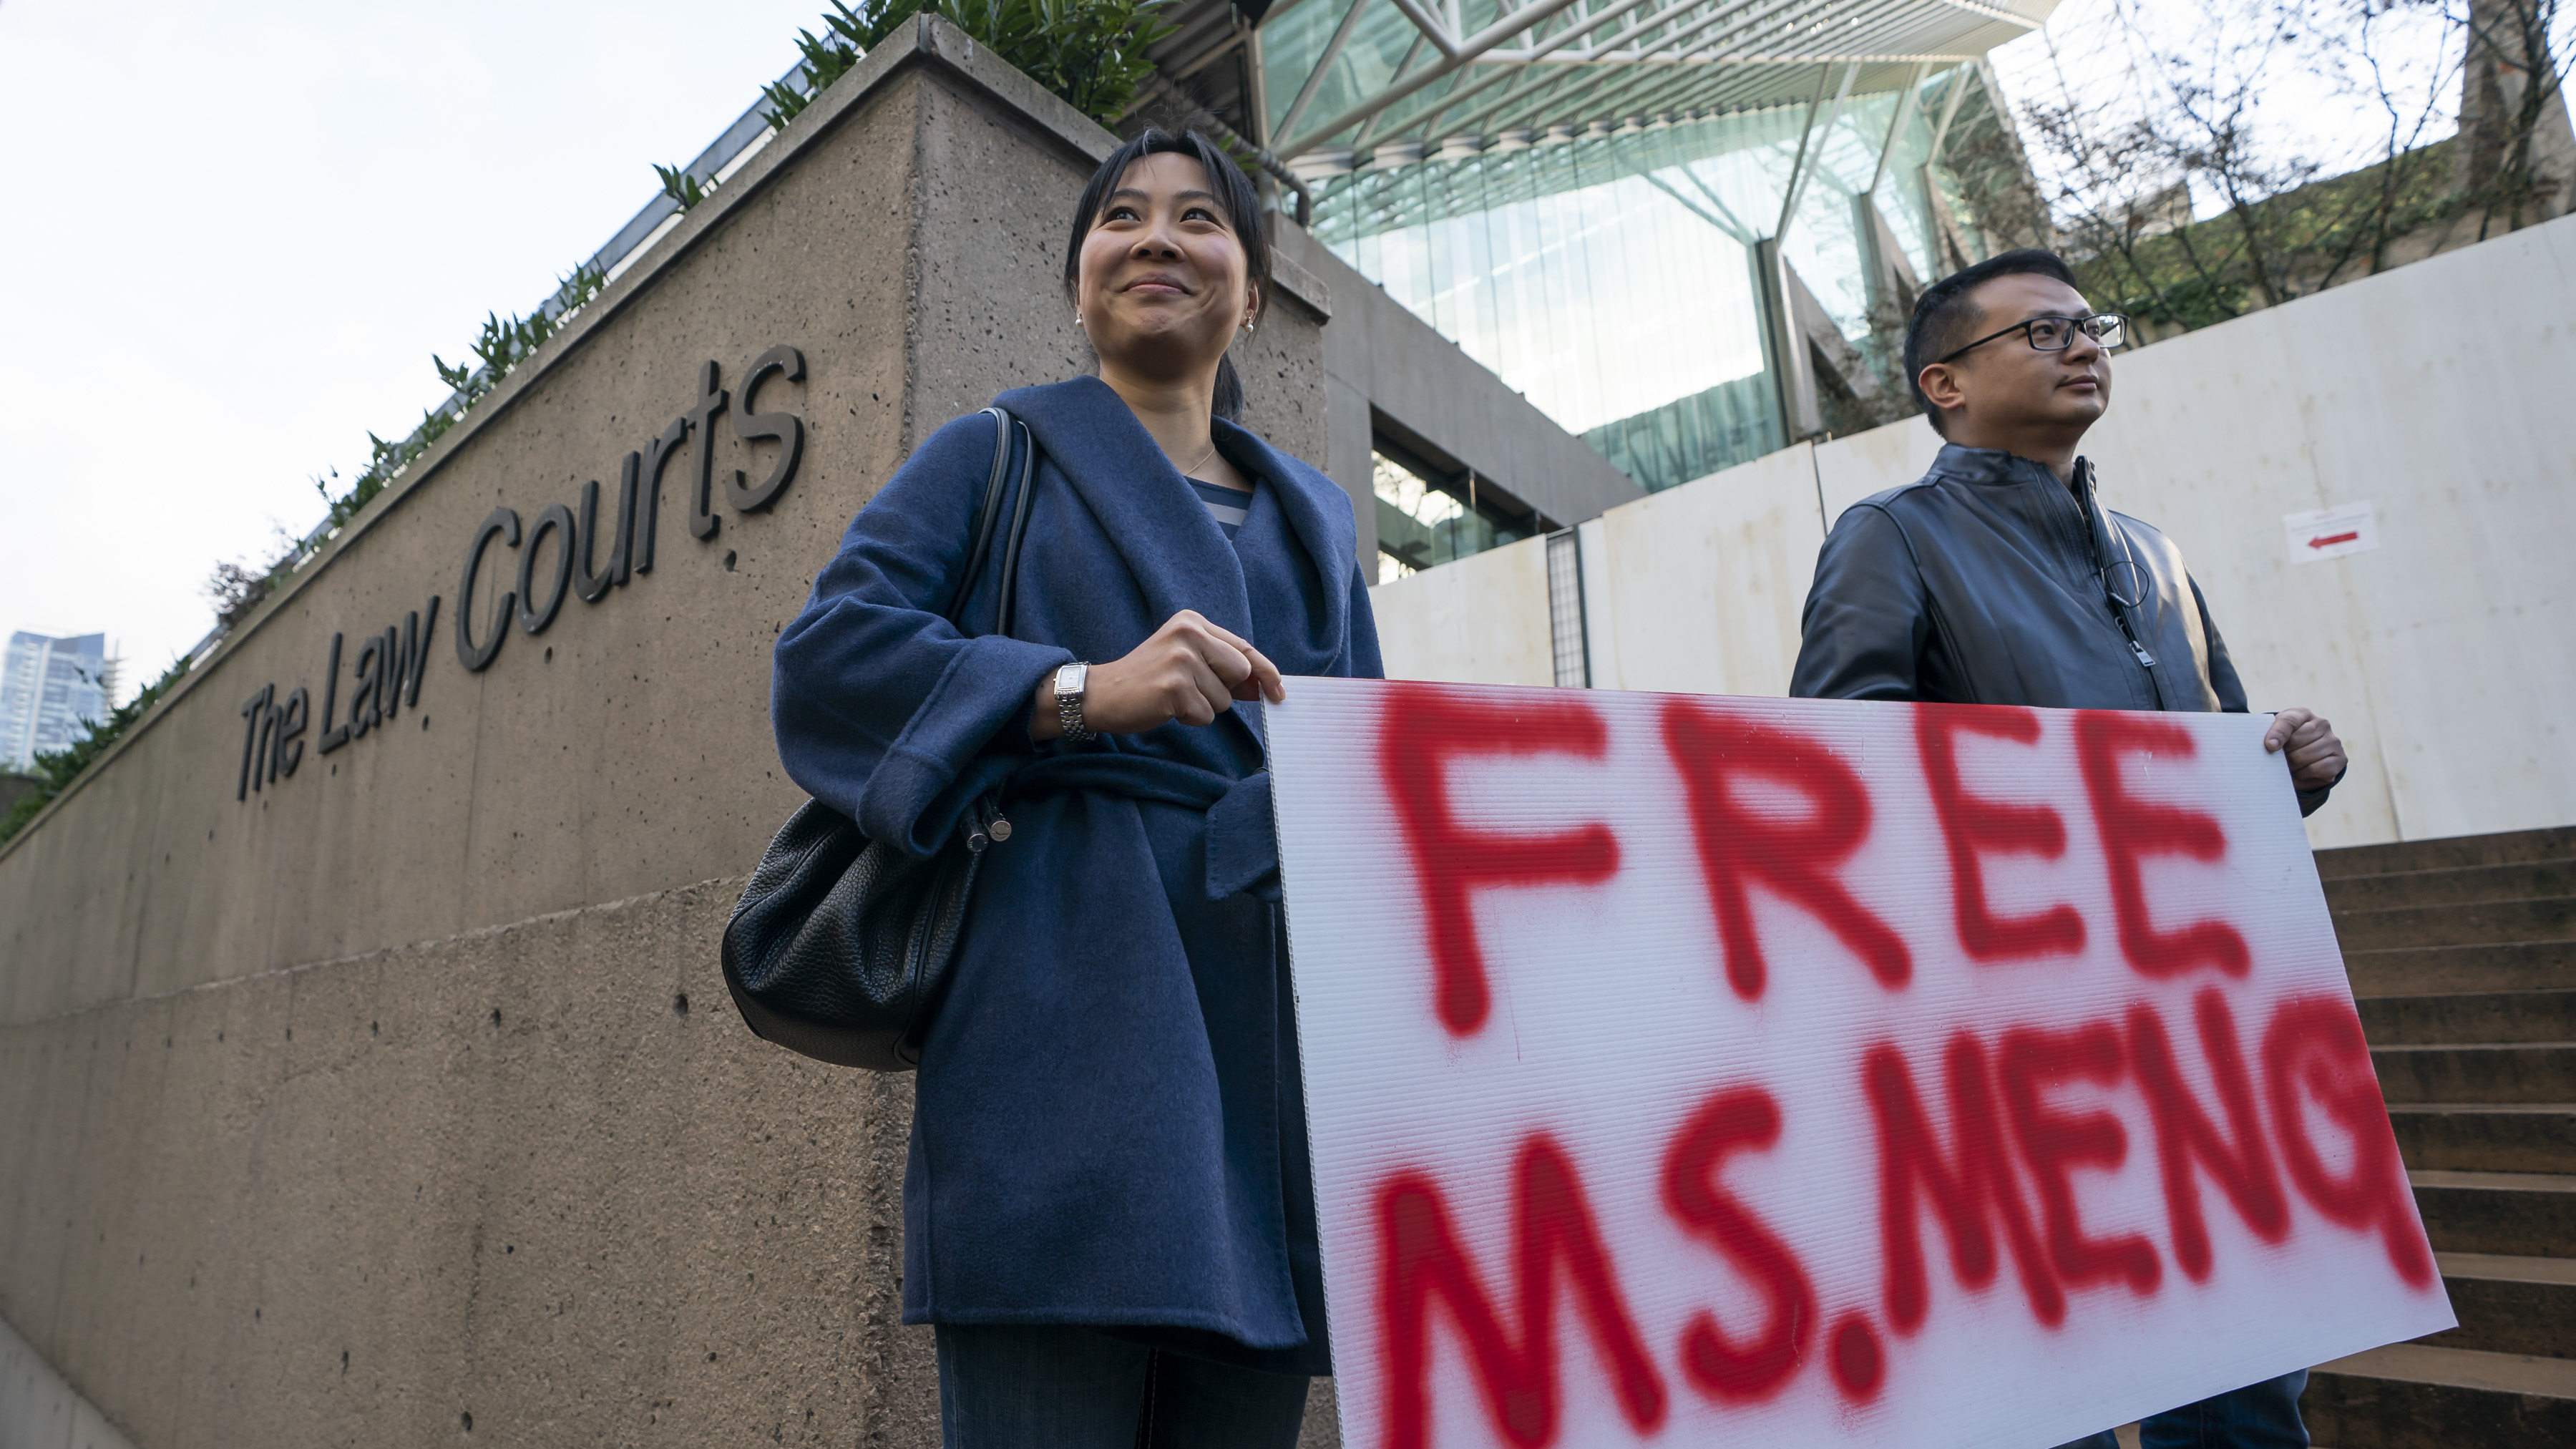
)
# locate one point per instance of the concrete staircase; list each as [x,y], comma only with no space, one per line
[2463,955]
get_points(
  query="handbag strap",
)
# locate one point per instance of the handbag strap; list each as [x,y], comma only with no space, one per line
[988,515]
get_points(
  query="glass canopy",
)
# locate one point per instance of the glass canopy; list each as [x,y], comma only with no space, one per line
[1580,192]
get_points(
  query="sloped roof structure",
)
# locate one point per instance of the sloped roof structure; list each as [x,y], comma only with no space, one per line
[1318,82]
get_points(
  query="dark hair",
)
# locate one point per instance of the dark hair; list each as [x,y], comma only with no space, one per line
[1945,312]
[1234,193]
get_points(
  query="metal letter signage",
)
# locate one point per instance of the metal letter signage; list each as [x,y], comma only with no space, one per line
[559,553]
[1691,1070]
[753,427]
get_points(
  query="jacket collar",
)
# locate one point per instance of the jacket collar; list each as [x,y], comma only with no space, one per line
[1171,547]
[1318,513]
[1995,468]
[1991,466]
[1091,436]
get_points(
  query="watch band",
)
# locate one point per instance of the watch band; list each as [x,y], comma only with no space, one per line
[1070,681]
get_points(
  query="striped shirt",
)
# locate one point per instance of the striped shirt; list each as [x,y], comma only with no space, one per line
[1228,506]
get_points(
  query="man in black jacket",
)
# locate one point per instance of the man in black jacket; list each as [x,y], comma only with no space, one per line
[1996,579]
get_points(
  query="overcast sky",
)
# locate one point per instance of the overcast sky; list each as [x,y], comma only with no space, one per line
[231,235]
[234,234]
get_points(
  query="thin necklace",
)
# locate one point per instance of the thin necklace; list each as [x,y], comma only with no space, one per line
[1192,470]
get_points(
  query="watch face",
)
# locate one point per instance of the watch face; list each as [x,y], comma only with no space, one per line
[1070,678]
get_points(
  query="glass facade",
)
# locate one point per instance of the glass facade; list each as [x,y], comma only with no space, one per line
[1609,278]
[1425,519]
[1610,272]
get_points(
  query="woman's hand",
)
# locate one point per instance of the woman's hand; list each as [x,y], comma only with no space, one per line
[1191,671]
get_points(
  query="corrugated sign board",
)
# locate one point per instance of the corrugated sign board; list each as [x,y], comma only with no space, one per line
[1695,1070]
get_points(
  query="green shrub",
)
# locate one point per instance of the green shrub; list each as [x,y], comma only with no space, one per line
[56,769]
[1090,52]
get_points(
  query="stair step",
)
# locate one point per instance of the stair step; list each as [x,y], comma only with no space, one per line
[2486,1136]
[2510,1305]
[2552,918]
[2448,852]
[2535,1071]
[2461,885]
[2479,1017]
[2522,1214]
[2418,1396]
[2444,970]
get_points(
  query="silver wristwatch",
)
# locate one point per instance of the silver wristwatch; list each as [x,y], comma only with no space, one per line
[1069,681]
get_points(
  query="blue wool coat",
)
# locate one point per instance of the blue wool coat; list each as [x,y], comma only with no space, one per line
[1108,1122]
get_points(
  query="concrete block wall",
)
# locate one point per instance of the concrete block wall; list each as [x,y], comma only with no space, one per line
[2436,392]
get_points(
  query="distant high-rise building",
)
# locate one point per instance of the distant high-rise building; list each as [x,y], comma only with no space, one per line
[48,687]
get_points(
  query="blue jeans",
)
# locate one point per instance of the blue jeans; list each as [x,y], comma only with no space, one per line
[1051,1387]
[2257,1416]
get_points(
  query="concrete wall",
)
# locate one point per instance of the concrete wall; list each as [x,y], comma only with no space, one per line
[401,1102]
[39,1410]
[2437,392]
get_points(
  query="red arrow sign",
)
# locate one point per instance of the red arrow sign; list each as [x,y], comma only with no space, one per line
[2329,540]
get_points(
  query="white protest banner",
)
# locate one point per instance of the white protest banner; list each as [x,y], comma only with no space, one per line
[1691,1070]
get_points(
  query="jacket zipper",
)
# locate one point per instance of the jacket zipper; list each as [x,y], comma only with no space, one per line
[2085,507]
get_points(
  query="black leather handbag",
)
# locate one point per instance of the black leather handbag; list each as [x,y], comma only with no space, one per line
[840,947]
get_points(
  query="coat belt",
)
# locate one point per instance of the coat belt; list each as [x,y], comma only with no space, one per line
[1242,844]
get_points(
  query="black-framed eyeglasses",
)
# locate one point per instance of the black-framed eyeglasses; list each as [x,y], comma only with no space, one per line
[2056,334]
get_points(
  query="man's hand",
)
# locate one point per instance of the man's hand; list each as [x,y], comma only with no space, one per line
[1191,671]
[2316,756]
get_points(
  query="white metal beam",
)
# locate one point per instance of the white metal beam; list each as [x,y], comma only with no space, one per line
[1896,127]
[1799,174]
[1323,64]
[1550,76]
[1440,36]
[1483,40]
[1561,38]
[1744,19]
[1949,109]
[1662,91]
[1741,57]
[1403,68]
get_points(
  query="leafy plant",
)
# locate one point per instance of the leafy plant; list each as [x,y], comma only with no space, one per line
[2163,109]
[846,36]
[502,345]
[681,187]
[1090,52]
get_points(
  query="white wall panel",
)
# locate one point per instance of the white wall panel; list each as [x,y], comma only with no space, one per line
[1850,469]
[2207,440]
[1705,581]
[1481,620]
[2443,393]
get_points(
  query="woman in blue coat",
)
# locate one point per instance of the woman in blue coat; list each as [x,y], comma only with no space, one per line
[1108,1209]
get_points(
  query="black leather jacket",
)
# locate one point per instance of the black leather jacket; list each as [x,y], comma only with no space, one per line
[1990,582]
